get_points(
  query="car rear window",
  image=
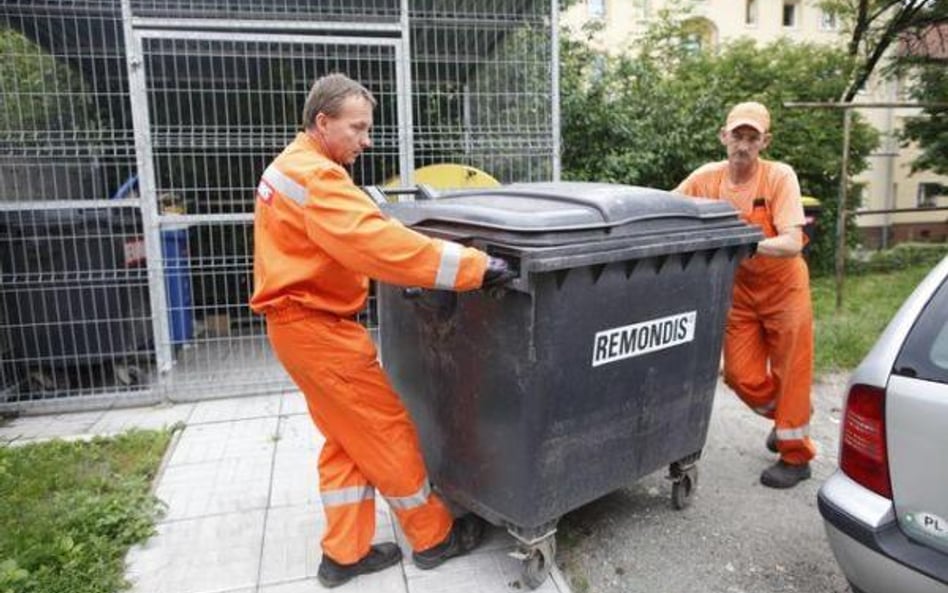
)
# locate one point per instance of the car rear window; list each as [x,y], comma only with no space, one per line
[925,352]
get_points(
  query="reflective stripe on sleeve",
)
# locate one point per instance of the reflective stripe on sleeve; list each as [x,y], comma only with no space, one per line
[448,268]
[417,499]
[342,496]
[793,434]
[285,185]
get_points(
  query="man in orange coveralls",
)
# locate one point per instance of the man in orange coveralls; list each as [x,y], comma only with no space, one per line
[768,345]
[317,240]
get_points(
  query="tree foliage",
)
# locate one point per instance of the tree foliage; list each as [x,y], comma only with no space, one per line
[910,39]
[873,27]
[38,93]
[930,129]
[651,118]
[923,62]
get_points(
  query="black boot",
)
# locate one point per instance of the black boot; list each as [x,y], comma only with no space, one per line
[466,534]
[784,475]
[380,556]
[772,441]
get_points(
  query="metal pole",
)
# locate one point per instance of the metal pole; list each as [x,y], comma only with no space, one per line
[841,211]
[151,217]
[555,87]
[844,181]
[405,98]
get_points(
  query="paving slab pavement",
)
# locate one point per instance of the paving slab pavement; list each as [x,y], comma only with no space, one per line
[243,509]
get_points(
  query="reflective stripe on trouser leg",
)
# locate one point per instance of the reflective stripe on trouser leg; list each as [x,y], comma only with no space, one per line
[775,299]
[351,401]
[413,511]
[790,334]
[397,469]
[349,504]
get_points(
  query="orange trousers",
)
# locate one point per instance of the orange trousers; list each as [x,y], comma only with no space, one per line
[768,348]
[371,442]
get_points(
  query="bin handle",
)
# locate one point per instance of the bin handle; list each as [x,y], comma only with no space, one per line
[126,188]
[380,194]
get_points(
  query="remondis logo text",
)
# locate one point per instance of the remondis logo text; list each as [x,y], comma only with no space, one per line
[619,343]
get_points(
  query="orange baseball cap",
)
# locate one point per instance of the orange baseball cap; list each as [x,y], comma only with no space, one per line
[751,114]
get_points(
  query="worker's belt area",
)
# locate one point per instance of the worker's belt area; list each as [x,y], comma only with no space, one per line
[295,312]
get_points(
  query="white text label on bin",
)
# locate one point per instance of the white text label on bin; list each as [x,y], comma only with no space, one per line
[619,343]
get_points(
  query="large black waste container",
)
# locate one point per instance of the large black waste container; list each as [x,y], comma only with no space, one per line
[596,366]
[75,293]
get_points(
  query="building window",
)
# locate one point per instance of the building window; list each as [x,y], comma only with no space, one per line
[641,9]
[750,13]
[928,192]
[790,15]
[596,8]
[698,34]
[828,21]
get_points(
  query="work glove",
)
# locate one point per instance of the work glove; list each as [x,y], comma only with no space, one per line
[498,272]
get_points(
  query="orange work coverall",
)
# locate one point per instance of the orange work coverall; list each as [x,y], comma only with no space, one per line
[317,240]
[768,343]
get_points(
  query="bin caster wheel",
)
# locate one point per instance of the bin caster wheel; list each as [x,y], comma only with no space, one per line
[129,375]
[40,380]
[538,562]
[683,488]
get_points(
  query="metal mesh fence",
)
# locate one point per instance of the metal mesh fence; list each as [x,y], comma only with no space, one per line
[299,10]
[482,86]
[131,147]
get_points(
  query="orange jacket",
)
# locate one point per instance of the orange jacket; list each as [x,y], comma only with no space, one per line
[318,239]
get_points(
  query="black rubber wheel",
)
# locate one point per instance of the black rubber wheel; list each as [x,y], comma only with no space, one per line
[539,562]
[683,489]
[129,375]
[41,381]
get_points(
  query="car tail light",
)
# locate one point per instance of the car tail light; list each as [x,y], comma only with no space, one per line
[862,453]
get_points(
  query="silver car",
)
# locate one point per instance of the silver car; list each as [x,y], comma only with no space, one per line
[886,508]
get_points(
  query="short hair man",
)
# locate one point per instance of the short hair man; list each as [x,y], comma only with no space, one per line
[768,344]
[317,241]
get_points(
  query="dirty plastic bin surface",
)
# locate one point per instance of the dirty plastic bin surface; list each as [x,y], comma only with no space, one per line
[75,293]
[596,366]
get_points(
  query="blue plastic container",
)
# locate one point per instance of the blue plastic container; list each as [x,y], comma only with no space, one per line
[174,251]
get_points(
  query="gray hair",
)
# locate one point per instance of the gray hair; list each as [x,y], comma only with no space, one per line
[327,95]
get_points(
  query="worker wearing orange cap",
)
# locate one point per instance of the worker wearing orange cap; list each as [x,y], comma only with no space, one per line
[768,344]
[317,240]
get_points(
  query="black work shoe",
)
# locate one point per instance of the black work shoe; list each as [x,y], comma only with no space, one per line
[380,556]
[466,533]
[784,475]
[772,441]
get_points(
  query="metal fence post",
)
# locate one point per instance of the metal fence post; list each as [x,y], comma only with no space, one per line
[151,225]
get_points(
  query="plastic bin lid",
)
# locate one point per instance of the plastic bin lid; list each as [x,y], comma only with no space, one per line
[550,213]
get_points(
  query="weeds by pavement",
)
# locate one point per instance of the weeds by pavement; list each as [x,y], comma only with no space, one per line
[69,511]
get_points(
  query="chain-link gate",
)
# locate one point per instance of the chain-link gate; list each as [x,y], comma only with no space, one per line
[134,134]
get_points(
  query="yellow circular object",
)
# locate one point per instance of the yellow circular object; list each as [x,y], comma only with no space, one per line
[449,176]
[810,201]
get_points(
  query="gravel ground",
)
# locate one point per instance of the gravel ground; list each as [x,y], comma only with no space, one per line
[736,537]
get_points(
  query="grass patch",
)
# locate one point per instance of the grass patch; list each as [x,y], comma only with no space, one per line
[869,303]
[69,511]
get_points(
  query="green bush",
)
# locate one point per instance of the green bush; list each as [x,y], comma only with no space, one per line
[901,256]
[651,116]
[40,93]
